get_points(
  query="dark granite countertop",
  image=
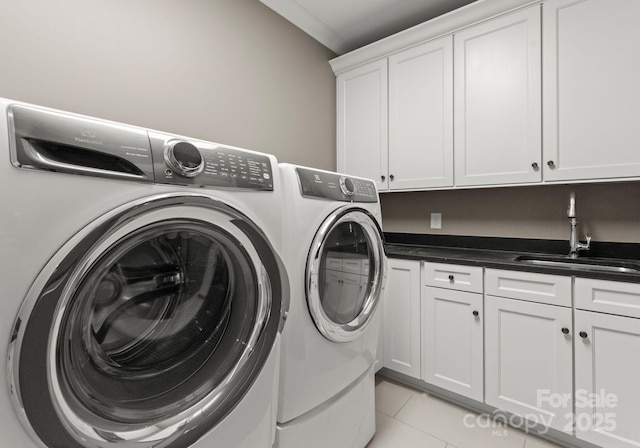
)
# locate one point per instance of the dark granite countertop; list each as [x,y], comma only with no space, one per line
[506,258]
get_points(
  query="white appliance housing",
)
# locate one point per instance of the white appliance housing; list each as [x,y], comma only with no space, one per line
[143,291]
[334,254]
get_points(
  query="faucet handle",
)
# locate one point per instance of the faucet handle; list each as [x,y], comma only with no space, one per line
[584,246]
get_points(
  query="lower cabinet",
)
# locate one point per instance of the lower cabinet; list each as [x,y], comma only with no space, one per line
[401,321]
[528,360]
[559,351]
[452,336]
[607,363]
[452,349]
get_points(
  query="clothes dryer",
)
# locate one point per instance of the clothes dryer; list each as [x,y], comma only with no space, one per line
[143,292]
[335,259]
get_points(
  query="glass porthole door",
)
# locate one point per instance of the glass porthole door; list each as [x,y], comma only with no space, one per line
[345,275]
[148,327]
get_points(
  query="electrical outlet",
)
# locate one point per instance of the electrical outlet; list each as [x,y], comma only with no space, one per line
[436,220]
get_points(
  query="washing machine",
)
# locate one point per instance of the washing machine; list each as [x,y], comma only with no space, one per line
[143,292]
[334,255]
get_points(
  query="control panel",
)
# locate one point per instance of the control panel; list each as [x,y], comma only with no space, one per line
[57,141]
[336,187]
[204,164]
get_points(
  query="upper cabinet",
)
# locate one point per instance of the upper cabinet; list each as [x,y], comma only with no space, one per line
[591,96]
[399,131]
[498,101]
[362,122]
[502,92]
[421,116]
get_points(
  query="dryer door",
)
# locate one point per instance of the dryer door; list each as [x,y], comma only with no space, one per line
[345,275]
[148,327]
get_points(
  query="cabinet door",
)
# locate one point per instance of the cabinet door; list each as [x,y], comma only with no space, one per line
[591,93]
[452,342]
[497,106]
[421,116]
[401,327]
[351,297]
[607,374]
[362,122]
[333,287]
[528,360]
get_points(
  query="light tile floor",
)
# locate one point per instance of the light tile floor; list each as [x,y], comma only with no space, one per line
[408,418]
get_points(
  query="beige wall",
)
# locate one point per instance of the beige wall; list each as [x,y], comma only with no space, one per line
[230,71]
[610,212]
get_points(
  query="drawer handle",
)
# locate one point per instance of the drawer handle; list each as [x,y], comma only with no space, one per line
[583,334]
[451,278]
[476,313]
[565,330]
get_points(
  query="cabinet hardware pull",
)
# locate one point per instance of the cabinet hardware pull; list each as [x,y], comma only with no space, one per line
[391,177]
[551,164]
[451,278]
[534,165]
[475,313]
[565,330]
[583,334]
[382,178]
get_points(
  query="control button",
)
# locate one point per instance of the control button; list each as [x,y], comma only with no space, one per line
[184,158]
[346,185]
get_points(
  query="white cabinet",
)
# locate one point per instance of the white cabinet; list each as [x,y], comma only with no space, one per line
[523,345]
[528,352]
[345,283]
[452,337]
[497,84]
[396,127]
[421,116]
[607,372]
[607,296]
[451,276]
[546,92]
[362,122]
[401,320]
[607,365]
[540,288]
[591,94]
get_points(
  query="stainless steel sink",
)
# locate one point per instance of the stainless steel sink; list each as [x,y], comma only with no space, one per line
[582,263]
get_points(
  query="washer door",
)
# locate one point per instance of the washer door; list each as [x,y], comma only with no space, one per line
[148,327]
[345,275]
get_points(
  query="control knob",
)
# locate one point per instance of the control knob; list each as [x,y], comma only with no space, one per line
[346,185]
[184,158]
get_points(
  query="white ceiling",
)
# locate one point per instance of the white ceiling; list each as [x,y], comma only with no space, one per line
[344,25]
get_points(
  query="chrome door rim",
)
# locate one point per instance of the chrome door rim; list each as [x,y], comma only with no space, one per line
[183,425]
[350,331]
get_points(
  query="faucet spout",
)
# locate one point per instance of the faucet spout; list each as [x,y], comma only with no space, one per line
[575,245]
[571,211]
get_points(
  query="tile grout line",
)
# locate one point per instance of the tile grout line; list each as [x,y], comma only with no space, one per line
[413,395]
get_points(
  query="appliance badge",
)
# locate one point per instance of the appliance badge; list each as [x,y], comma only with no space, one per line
[88,137]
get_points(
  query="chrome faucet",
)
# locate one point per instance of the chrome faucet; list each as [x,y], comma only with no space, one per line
[574,244]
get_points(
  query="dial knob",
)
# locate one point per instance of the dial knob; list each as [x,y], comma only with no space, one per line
[346,185]
[184,158]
